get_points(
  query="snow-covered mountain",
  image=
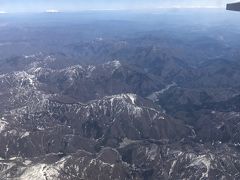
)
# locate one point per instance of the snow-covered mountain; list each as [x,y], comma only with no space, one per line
[73,122]
[135,97]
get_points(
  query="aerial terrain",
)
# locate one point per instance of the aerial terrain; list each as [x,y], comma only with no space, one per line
[120,95]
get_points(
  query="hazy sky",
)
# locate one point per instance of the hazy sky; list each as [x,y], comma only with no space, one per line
[76,5]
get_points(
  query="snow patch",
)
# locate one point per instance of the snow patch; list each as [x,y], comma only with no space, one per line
[128,102]
[172,168]
[152,152]
[90,69]
[113,64]
[220,125]
[130,98]
[26,134]
[73,72]
[126,142]
[116,64]
[29,56]
[42,172]
[202,161]
[3,125]
[133,97]
[23,77]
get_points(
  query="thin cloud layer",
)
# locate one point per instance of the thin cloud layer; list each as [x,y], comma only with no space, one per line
[78,5]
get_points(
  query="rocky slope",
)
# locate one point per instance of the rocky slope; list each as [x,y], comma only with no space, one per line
[113,121]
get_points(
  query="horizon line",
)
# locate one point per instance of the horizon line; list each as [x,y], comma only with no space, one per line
[112,9]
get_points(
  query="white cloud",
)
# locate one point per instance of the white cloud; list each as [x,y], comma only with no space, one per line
[52,11]
[3,12]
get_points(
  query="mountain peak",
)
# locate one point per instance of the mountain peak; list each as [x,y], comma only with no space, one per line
[130,98]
